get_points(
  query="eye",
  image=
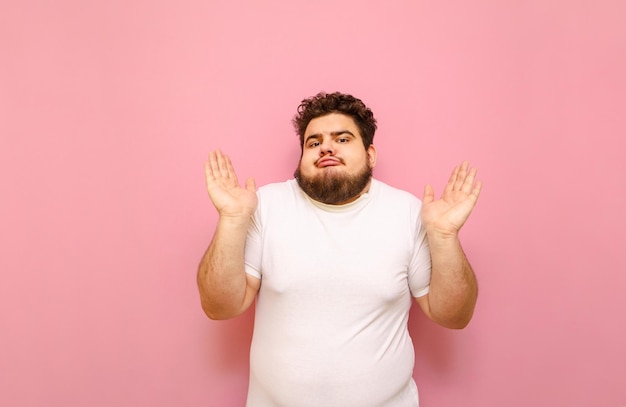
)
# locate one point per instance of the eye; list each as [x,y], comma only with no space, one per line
[314,143]
[342,140]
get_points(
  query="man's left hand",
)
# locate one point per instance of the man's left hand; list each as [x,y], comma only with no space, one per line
[445,216]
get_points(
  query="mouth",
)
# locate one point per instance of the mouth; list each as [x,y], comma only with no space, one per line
[328,162]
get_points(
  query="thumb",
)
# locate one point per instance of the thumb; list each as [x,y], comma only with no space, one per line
[250,184]
[429,194]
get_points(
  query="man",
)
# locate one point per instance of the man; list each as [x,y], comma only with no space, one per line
[333,258]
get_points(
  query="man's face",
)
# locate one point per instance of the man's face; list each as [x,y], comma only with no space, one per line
[335,168]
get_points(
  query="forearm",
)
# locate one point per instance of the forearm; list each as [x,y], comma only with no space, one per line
[453,287]
[221,274]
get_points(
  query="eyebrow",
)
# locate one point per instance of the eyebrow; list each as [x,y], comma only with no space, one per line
[332,134]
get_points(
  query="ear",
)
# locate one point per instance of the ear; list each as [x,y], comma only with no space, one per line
[371,155]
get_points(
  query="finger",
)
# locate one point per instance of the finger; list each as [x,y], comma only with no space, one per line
[214,163]
[222,164]
[468,183]
[476,190]
[250,184]
[429,194]
[210,167]
[209,177]
[208,172]
[230,171]
[450,185]
[461,175]
[223,168]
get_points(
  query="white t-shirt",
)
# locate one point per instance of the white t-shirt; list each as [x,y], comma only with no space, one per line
[337,283]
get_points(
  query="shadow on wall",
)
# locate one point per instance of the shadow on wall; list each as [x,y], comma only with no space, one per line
[432,342]
[231,343]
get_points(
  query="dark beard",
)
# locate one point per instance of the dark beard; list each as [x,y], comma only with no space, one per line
[334,189]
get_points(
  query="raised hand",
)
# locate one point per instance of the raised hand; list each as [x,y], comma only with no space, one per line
[448,214]
[228,197]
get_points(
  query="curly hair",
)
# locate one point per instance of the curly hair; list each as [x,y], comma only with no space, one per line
[326,103]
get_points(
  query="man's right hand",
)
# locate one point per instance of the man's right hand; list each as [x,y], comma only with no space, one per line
[228,197]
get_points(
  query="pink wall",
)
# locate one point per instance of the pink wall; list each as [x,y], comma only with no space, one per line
[107,111]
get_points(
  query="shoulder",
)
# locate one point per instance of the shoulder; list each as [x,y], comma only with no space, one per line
[280,200]
[399,204]
[277,188]
[279,192]
[393,195]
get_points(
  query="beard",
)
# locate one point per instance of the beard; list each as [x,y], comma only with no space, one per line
[334,188]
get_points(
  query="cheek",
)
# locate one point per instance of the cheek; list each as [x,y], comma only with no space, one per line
[308,158]
[304,164]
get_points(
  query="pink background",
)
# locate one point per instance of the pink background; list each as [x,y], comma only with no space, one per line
[108,110]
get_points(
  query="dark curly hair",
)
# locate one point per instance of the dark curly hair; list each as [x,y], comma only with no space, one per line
[326,103]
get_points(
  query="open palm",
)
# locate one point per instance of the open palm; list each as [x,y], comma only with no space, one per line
[228,197]
[448,214]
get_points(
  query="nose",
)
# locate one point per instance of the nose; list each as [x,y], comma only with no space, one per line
[326,147]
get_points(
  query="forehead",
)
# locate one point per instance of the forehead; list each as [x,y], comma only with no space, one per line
[332,122]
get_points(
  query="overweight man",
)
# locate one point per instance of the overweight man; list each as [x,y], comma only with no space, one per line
[334,259]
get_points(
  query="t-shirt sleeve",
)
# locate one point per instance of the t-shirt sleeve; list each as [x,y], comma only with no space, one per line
[253,250]
[420,265]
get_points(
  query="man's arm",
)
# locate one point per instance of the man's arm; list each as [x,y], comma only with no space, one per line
[453,288]
[226,290]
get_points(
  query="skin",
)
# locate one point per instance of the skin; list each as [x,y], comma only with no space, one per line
[226,290]
[453,288]
[333,145]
